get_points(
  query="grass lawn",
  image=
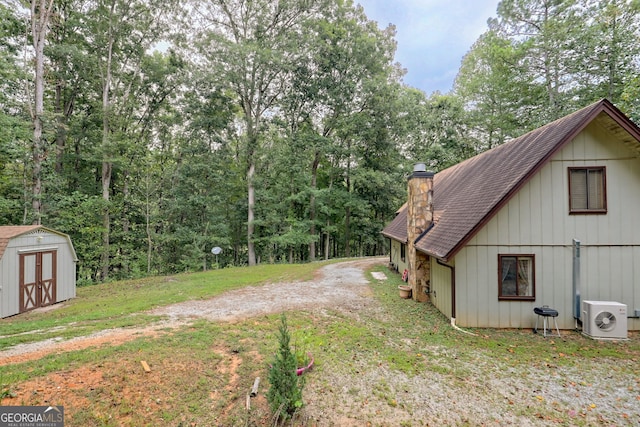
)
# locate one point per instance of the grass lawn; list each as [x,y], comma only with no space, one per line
[396,363]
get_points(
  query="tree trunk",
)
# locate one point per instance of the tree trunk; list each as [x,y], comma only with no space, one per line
[64,110]
[326,242]
[106,220]
[251,202]
[347,232]
[312,205]
[107,165]
[347,213]
[148,231]
[40,14]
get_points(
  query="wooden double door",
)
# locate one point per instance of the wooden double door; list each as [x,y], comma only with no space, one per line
[37,279]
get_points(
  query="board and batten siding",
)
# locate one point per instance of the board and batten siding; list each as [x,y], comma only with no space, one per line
[396,251]
[537,221]
[441,287]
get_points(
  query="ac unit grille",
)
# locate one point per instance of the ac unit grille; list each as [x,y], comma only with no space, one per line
[604,319]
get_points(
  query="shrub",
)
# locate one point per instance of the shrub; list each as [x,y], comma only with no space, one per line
[285,394]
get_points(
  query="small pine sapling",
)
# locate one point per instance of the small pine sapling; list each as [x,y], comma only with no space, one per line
[285,394]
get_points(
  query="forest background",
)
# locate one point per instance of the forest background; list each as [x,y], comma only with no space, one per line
[152,131]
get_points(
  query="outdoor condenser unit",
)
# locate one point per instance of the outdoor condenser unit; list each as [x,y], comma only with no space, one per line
[604,319]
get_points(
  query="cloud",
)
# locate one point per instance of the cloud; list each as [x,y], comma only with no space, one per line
[433,35]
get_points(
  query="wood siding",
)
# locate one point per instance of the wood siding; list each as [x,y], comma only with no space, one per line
[537,221]
[441,287]
[400,264]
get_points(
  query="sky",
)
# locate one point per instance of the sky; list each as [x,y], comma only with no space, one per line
[433,35]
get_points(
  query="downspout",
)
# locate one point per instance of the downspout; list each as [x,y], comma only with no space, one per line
[453,298]
[577,310]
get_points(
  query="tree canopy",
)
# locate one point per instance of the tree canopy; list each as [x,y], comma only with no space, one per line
[152,131]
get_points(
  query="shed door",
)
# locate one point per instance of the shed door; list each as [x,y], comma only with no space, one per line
[37,280]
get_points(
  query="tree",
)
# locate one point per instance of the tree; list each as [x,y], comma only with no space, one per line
[40,16]
[121,32]
[544,30]
[542,59]
[285,394]
[16,136]
[252,45]
[607,49]
[493,86]
[347,67]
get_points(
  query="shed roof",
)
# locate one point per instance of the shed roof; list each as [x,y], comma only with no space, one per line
[8,232]
[467,195]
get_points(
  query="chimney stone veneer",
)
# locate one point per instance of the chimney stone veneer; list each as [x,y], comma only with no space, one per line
[419,218]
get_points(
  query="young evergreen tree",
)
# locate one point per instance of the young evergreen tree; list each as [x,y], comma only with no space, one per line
[285,394]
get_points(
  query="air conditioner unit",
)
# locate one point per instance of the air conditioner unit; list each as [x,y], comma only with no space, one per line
[604,319]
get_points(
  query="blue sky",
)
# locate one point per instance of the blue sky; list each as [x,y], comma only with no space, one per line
[432,35]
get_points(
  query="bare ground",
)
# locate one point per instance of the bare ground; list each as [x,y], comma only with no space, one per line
[456,390]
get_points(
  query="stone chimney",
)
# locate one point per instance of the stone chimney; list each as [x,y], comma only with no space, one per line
[419,218]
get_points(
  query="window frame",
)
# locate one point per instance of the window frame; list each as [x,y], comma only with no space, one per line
[403,252]
[531,297]
[597,211]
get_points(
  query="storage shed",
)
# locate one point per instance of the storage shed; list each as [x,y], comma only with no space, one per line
[37,268]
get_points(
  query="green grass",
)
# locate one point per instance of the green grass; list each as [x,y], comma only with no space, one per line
[122,304]
[193,380]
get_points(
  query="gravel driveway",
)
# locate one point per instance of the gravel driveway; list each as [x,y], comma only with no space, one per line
[337,285]
[341,285]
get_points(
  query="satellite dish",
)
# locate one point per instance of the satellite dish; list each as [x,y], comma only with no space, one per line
[216,250]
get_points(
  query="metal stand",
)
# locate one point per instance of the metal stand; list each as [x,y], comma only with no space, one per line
[545,312]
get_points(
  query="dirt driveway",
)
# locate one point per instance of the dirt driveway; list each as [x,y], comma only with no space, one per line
[341,285]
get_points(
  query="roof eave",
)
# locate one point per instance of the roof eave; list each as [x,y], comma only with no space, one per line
[394,237]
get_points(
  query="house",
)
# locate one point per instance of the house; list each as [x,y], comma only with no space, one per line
[548,218]
[37,268]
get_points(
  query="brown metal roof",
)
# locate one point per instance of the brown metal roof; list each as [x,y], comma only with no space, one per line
[467,195]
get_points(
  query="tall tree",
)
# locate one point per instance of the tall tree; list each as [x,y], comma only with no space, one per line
[16,135]
[543,30]
[349,61]
[607,48]
[544,58]
[494,87]
[252,45]
[121,32]
[41,13]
